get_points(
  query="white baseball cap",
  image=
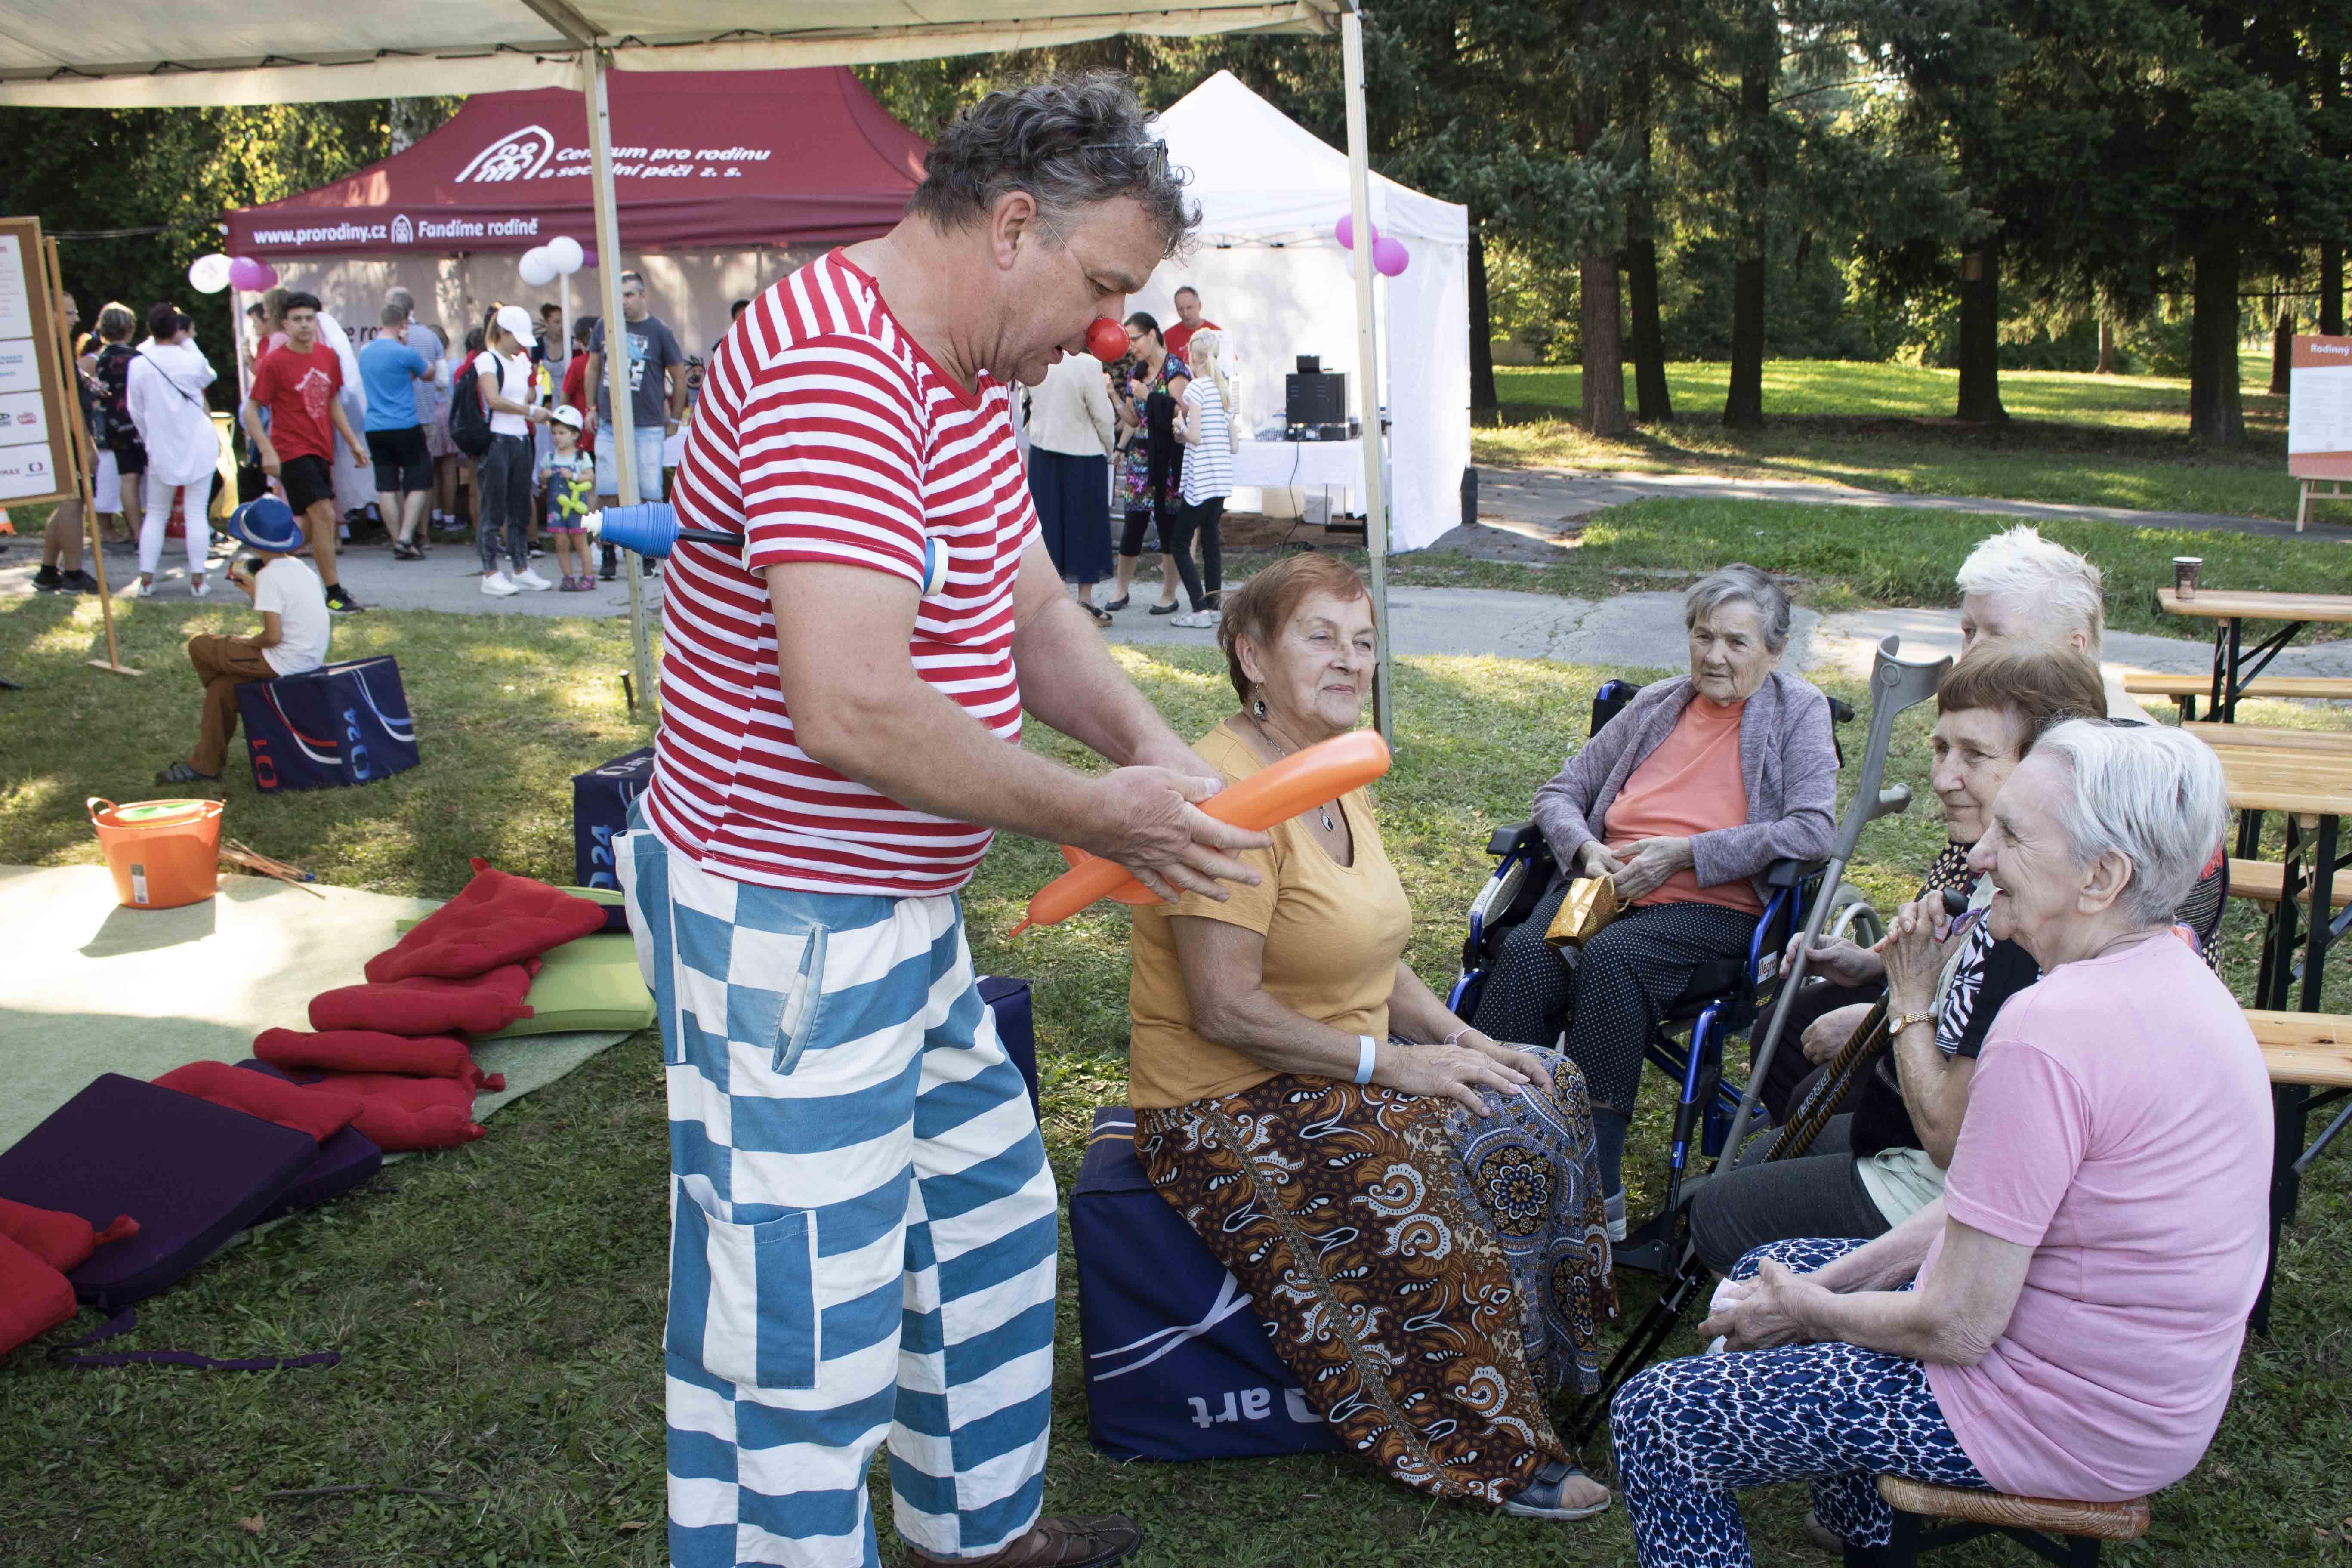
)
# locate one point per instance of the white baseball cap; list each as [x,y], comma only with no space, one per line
[567,415]
[516,322]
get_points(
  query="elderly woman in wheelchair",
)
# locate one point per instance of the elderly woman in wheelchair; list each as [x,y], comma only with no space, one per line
[1684,800]
[2064,1319]
[1413,1207]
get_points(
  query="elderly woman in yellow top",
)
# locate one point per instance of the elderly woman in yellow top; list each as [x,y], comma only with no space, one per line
[1413,1207]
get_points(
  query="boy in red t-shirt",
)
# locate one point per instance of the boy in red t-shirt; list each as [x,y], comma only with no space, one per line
[301,385]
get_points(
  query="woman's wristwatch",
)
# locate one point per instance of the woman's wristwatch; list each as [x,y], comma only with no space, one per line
[1898,1022]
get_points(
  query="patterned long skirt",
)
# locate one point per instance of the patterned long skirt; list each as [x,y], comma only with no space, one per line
[1433,1278]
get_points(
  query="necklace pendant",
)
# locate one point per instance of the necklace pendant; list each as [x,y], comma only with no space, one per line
[1324,813]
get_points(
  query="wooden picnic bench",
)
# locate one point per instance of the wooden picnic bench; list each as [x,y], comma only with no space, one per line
[2185,689]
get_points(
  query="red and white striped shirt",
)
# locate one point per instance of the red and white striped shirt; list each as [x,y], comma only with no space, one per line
[825,433]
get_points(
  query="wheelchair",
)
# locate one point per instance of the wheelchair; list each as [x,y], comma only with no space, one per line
[1722,999]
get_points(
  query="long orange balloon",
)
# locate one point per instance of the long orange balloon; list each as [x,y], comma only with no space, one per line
[1324,771]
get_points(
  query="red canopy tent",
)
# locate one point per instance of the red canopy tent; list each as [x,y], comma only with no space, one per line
[703,159]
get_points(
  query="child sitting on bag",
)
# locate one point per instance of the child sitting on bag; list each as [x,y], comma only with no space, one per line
[294,629]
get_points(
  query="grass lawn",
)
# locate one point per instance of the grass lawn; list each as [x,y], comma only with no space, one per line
[499,1306]
[2084,439]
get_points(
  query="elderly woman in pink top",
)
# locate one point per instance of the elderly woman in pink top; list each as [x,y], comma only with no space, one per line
[2064,1321]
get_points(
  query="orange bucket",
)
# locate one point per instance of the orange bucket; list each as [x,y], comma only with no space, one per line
[163,853]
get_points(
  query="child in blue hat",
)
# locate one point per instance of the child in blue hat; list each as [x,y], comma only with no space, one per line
[295,631]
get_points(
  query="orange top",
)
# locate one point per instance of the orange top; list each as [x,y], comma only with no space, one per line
[1691,784]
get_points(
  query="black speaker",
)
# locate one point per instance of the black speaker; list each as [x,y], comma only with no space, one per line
[1320,398]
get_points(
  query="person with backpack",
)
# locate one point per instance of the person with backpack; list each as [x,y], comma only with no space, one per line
[112,431]
[166,398]
[492,411]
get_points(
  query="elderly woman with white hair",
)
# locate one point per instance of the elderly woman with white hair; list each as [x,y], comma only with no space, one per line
[2064,1321]
[2016,583]
[1682,800]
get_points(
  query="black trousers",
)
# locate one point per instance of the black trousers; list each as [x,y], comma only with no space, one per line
[1199,521]
[1819,1194]
[1623,981]
[1791,1075]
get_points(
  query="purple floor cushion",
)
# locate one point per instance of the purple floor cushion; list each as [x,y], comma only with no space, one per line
[191,1172]
[345,1160]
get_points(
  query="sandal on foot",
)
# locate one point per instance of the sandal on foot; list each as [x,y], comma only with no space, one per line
[1080,1541]
[1545,1497]
[180,773]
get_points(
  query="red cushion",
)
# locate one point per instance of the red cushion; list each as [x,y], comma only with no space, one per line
[321,1116]
[499,919]
[368,1051]
[428,1006]
[402,1113]
[34,1297]
[63,1241]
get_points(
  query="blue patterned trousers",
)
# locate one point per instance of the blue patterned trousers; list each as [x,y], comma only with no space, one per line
[863,1225]
[1690,1432]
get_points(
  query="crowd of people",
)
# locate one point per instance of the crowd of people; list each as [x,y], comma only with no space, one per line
[1162,419]
[2020,1258]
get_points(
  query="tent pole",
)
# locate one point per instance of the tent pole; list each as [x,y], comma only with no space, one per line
[621,432]
[1368,373]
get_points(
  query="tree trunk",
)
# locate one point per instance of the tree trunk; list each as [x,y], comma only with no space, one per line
[1482,329]
[1743,406]
[1648,344]
[1647,336]
[1604,345]
[404,118]
[1980,393]
[2331,288]
[2281,343]
[2107,348]
[2216,416]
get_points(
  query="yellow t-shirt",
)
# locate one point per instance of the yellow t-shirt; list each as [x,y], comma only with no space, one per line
[1333,936]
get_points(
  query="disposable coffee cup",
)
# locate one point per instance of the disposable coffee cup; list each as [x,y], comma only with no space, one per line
[2184,575]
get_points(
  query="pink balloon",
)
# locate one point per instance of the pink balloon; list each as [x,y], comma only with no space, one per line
[268,275]
[1390,256]
[244,272]
[1344,231]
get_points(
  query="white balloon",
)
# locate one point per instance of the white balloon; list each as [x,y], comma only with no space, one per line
[208,274]
[565,252]
[537,268]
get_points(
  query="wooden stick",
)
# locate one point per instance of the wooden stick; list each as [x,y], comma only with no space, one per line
[84,462]
[237,854]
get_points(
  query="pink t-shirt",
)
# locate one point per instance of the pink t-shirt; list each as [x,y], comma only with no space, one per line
[2119,1125]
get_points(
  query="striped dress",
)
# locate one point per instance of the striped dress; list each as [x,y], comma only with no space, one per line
[1208,462]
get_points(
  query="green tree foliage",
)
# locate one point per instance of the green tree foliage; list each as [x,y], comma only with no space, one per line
[170,174]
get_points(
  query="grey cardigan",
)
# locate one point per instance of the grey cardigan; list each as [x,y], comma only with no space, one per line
[1787,760]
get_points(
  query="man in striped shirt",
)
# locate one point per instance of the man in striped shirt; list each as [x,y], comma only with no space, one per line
[863,1227]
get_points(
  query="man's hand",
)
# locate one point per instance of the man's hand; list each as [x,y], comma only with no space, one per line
[1761,1313]
[1836,960]
[1827,1034]
[1149,825]
[1648,862]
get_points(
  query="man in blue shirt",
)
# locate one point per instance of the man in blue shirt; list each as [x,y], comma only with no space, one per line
[389,372]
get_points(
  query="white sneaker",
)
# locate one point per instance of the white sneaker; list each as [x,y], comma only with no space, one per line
[201,586]
[495,584]
[528,577]
[1197,618]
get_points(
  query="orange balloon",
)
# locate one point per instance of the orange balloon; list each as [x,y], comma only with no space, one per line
[1298,783]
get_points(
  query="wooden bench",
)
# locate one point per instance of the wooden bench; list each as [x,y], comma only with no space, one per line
[2312,1049]
[2064,1532]
[2185,689]
[2263,737]
[2261,882]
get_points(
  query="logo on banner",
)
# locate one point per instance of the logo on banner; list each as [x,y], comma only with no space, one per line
[521,155]
[401,234]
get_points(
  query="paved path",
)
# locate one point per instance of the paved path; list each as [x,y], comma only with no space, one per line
[1540,505]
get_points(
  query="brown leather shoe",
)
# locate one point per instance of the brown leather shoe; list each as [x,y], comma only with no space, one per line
[1082,1541]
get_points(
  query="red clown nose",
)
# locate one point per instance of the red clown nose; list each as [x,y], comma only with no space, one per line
[1106,340]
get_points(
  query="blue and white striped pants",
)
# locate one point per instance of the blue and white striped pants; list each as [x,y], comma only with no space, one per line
[862,1219]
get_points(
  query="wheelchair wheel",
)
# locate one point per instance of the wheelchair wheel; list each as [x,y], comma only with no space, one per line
[1851,917]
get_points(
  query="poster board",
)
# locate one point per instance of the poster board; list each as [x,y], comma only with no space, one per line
[2319,409]
[36,432]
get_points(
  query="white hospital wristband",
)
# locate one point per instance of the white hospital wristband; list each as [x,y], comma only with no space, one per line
[1365,1050]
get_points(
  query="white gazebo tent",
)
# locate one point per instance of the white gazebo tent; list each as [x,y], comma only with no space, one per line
[176,53]
[1274,278]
